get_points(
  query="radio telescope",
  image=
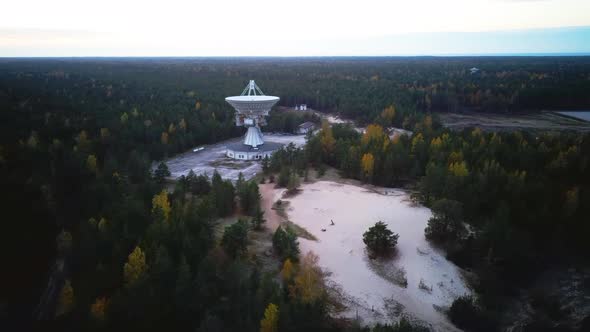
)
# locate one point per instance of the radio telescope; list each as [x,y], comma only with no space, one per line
[251,108]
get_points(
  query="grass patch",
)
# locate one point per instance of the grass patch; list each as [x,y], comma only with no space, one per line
[230,164]
[300,231]
[281,208]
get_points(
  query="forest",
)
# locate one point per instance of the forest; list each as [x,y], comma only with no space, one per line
[507,206]
[93,239]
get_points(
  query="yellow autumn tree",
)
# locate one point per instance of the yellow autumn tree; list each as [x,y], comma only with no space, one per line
[367,165]
[164,138]
[427,123]
[161,203]
[327,139]
[83,141]
[135,267]
[271,319]
[373,133]
[98,308]
[198,105]
[435,143]
[182,125]
[459,169]
[105,133]
[476,132]
[388,114]
[455,157]
[288,270]
[417,142]
[91,163]
[308,286]
[103,224]
[171,128]
[65,302]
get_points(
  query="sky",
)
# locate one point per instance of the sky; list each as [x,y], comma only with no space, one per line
[292,28]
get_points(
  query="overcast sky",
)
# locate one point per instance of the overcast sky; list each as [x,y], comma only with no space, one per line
[296,27]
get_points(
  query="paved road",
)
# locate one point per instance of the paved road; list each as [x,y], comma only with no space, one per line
[213,157]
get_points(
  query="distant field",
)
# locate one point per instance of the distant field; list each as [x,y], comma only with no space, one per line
[543,121]
[582,115]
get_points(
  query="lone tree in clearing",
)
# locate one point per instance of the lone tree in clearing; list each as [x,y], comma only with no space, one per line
[379,239]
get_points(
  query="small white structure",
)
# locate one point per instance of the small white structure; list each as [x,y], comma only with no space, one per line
[302,107]
[305,128]
[474,70]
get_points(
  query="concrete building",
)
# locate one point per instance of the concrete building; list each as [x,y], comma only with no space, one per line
[305,128]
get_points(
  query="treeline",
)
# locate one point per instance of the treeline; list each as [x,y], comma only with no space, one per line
[506,205]
[285,121]
[163,106]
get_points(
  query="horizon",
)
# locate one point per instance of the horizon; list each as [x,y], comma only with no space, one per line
[229,28]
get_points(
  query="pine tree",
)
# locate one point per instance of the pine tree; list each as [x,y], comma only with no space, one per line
[161,173]
[258,219]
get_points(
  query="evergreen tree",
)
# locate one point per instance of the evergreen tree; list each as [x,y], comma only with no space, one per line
[161,173]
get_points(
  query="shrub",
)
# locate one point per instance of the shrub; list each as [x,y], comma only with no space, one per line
[284,177]
[467,315]
[379,239]
[404,325]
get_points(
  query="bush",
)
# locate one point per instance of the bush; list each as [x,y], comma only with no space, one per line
[321,170]
[293,184]
[379,239]
[285,243]
[284,177]
[467,315]
[404,325]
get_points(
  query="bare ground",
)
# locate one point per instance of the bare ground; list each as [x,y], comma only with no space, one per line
[541,121]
